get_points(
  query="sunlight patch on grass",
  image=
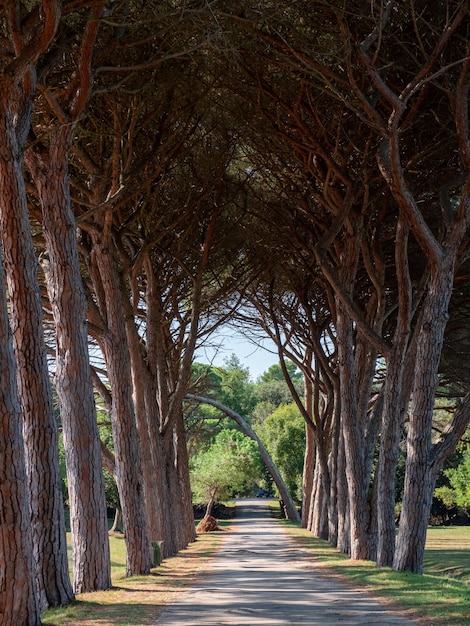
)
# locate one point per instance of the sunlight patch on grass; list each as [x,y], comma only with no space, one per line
[136,601]
[442,593]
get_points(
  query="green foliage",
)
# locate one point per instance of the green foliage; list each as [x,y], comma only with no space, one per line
[205,380]
[261,412]
[283,434]
[230,466]
[275,374]
[237,390]
[446,495]
[459,478]
[271,391]
[267,404]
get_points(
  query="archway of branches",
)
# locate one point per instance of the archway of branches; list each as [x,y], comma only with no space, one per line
[300,171]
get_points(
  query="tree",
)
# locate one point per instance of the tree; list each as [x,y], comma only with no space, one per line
[19,603]
[289,506]
[230,466]
[47,162]
[236,386]
[283,433]
[27,39]
[388,160]
[459,478]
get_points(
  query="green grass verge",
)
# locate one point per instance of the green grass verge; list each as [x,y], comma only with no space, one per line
[440,596]
[136,601]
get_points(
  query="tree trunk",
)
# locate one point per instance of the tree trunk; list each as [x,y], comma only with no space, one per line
[308,475]
[117,523]
[333,463]
[40,431]
[187,521]
[291,511]
[18,592]
[344,525]
[128,466]
[392,423]
[395,400]
[181,517]
[89,527]
[419,473]
[318,499]
[147,427]
[210,505]
[309,455]
[357,481]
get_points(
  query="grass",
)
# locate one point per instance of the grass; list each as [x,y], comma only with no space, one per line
[441,596]
[136,601]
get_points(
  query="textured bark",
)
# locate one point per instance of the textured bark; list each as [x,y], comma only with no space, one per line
[357,480]
[333,463]
[18,594]
[420,472]
[188,532]
[40,431]
[128,466]
[344,525]
[308,475]
[309,456]
[319,514]
[147,428]
[90,546]
[392,424]
[169,363]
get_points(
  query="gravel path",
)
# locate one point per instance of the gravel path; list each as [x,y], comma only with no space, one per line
[261,577]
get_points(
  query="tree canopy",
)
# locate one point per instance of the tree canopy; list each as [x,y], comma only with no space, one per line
[299,169]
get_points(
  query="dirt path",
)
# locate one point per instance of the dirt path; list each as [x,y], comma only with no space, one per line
[261,577]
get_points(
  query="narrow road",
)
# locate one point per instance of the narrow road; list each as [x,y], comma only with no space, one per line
[260,576]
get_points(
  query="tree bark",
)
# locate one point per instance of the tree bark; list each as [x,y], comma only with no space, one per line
[40,431]
[89,527]
[420,472]
[395,401]
[309,455]
[357,480]
[18,591]
[308,474]
[147,420]
[128,466]
[117,523]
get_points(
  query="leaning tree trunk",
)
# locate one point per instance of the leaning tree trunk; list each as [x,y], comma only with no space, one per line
[89,526]
[18,592]
[40,430]
[289,505]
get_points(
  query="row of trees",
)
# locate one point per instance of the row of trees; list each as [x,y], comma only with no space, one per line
[277,424]
[166,161]
[93,123]
[358,153]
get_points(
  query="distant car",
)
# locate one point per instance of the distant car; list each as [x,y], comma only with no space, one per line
[262,493]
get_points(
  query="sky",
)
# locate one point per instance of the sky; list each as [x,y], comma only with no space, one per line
[257,359]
